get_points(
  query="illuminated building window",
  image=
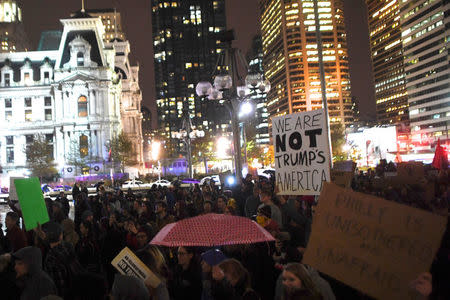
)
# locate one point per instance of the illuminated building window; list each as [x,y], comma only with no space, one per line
[28,115]
[80,59]
[48,114]
[84,145]
[8,103]
[8,115]
[82,107]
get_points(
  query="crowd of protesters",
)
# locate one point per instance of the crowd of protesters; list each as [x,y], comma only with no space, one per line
[70,257]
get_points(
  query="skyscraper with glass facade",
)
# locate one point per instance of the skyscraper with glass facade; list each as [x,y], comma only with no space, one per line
[186,44]
[425,30]
[387,61]
[291,57]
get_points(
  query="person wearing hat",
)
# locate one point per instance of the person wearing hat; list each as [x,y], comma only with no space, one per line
[35,283]
[210,259]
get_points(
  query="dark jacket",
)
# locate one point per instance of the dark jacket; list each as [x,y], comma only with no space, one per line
[187,284]
[16,238]
[36,284]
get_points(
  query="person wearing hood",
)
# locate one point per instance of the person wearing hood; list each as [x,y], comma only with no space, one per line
[35,283]
[128,287]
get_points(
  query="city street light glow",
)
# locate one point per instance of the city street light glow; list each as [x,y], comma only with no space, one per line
[156,148]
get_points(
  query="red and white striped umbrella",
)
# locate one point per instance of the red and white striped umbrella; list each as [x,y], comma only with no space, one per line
[212,230]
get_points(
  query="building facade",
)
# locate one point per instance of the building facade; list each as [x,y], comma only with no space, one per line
[387,61]
[291,57]
[186,44]
[425,27]
[12,33]
[70,95]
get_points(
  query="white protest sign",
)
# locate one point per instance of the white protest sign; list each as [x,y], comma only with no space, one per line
[12,188]
[127,263]
[302,160]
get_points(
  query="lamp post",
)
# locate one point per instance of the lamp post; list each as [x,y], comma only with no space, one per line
[156,149]
[231,87]
[186,134]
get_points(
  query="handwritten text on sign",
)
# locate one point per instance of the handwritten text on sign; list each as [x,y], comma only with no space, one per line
[302,161]
[374,245]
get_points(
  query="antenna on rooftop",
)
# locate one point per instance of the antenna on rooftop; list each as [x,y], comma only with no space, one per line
[82,6]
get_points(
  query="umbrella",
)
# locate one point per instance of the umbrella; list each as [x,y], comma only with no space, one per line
[211,230]
[440,160]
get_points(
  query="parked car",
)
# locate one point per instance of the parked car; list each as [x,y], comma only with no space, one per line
[161,182]
[207,179]
[135,184]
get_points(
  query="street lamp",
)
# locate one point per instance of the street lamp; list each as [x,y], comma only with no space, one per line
[186,134]
[156,149]
[230,87]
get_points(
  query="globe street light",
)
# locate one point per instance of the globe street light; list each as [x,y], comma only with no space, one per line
[233,90]
[186,134]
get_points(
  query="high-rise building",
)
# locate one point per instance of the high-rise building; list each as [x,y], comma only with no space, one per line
[291,57]
[12,33]
[112,21]
[260,120]
[425,27]
[186,44]
[387,60]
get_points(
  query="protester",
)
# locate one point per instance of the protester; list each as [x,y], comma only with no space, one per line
[210,259]
[88,250]
[33,281]
[128,287]
[297,284]
[15,237]
[266,199]
[69,233]
[187,281]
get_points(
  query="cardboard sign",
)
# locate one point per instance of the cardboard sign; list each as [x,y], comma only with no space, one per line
[372,244]
[31,202]
[344,166]
[342,178]
[127,263]
[411,172]
[12,188]
[302,159]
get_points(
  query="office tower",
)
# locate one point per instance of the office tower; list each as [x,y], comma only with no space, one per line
[425,41]
[260,120]
[112,21]
[387,60]
[12,33]
[186,43]
[291,57]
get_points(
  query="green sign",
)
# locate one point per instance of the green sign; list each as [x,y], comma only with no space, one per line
[31,202]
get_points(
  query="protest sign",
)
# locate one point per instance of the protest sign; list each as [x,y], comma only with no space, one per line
[302,159]
[31,201]
[342,178]
[411,172]
[127,263]
[372,244]
[12,188]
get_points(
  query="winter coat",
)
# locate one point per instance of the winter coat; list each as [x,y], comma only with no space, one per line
[128,287]
[36,283]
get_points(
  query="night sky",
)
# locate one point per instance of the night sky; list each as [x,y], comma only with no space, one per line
[243,16]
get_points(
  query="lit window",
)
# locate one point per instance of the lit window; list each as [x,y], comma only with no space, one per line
[84,145]
[82,107]
[28,115]
[48,114]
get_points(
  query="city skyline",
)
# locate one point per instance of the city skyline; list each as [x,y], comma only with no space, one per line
[242,16]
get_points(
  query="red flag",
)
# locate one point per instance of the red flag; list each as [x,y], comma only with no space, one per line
[440,160]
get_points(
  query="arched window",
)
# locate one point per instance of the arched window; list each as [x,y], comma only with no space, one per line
[84,145]
[82,106]
[80,59]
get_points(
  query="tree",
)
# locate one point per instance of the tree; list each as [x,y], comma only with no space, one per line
[122,151]
[269,157]
[337,131]
[202,149]
[40,160]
